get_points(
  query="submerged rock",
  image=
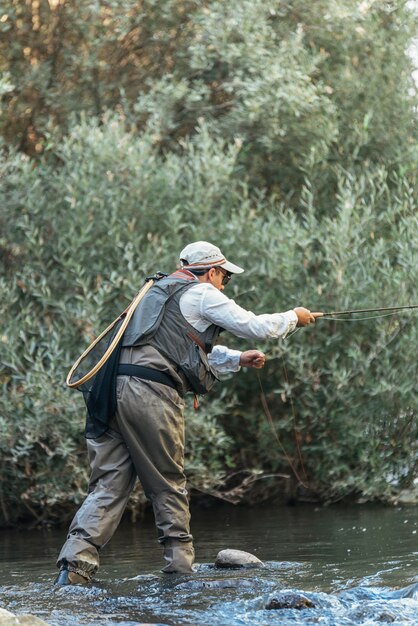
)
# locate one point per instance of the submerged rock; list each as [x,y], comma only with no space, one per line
[406,592]
[370,614]
[9,619]
[237,558]
[289,600]
[224,583]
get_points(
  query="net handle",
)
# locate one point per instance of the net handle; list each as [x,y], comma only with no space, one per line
[128,314]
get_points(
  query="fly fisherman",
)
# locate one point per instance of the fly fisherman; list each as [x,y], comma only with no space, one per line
[167,350]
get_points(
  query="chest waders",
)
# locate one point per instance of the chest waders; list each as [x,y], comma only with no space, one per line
[145,437]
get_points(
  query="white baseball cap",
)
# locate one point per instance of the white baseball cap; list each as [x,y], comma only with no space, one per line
[203,255]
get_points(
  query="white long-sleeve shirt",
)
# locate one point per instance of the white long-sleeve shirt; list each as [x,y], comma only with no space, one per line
[203,305]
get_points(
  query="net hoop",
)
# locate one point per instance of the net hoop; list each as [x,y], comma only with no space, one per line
[127,314]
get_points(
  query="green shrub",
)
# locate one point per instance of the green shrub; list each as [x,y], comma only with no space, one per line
[102,209]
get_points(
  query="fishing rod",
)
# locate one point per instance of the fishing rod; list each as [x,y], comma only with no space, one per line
[381,309]
[264,399]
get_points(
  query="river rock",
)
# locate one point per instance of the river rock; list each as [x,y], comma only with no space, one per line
[406,497]
[405,592]
[224,583]
[9,619]
[289,600]
[237,558]
[371,614]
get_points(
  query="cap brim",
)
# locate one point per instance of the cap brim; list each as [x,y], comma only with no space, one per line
[231,268]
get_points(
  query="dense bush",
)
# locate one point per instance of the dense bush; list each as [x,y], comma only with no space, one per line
[283,131]
[103,209]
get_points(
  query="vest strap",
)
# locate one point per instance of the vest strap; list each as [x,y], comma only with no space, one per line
[147,373]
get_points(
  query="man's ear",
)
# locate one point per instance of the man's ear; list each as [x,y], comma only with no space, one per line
[210,274]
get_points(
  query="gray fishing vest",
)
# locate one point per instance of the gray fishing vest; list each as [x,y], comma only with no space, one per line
[158,322]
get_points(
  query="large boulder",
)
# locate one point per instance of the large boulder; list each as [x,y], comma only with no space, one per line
[236,559]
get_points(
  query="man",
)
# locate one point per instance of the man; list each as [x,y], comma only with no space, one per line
[168,349]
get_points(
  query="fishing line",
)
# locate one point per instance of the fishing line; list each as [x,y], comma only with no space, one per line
[293,332]
[276,436]
[273,428]
[294,419]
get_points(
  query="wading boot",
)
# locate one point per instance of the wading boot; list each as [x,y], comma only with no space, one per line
[67,577]
[179,557]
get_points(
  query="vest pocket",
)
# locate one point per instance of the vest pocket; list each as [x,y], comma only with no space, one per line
[197,370]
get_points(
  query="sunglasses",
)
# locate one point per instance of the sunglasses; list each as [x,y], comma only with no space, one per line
[226,276]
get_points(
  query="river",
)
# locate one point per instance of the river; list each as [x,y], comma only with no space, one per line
[357,565]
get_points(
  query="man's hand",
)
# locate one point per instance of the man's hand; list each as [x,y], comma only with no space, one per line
[305,316]
[252,358]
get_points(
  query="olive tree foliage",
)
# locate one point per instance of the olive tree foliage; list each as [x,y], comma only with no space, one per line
[81,230]
[305,86]
[79,236]
[285,132]
[343,392]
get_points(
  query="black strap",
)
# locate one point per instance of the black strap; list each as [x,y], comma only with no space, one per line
[147,373]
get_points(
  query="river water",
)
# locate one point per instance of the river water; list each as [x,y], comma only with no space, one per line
[357,565]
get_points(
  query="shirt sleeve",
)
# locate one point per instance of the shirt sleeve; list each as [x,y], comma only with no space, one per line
[217,309]
[224,360]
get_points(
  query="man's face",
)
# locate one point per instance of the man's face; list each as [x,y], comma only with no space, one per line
[219,277]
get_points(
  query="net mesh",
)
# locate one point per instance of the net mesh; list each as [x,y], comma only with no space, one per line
[95,372]
[91,358]
[101,349]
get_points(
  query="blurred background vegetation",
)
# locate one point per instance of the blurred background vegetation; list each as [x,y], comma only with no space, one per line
[283,131]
